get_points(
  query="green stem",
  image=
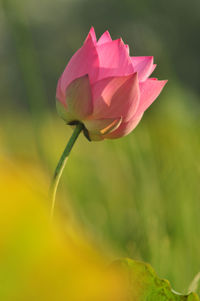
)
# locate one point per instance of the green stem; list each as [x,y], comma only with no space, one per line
[61,164]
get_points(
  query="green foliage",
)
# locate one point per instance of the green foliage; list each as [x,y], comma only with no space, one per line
[145,285]
[137,196]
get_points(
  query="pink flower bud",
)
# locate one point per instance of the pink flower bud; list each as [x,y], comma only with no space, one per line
[106,89]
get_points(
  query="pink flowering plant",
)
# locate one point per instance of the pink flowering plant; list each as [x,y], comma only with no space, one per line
[105,89]
[104,92]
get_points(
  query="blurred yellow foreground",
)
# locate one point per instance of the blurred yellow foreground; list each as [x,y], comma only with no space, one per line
[41,260]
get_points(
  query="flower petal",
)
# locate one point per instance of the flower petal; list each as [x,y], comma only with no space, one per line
[116,96]
[84,61]
[114,59]
[153,68]
[79,98]
[125,128]
[127,48]
[97,128]
[105,38]
[149,91]
[63,112]
[92,34]
[59,94]
[143,65]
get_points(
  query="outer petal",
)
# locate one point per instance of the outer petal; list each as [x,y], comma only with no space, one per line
[116,96]
[127,48]
[92,34]
[143,65]
[149,91]
[79,98]
[114,59]
[97,128]
[63,112]
[78,103]
[84,61]
[105,38]
[59,94]
[125,128]
[153,68]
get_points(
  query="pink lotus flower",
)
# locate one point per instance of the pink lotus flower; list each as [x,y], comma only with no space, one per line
[105,88]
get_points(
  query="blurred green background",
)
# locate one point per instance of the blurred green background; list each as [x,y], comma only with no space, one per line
[138,196]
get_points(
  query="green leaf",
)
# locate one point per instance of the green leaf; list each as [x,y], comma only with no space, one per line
[144,284]
[195,284]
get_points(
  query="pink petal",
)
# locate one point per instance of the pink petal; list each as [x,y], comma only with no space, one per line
[63,112]
[143,65]
[127,48]
[149,91]
[116,96]
[59,94]
[84,61]
[153,68]
[125,128]
[97,128]
[91,34]
[114,59]
[105,38]
[79,98]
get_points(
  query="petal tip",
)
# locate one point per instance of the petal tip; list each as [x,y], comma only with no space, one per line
[105,38]
[107,32]
[91,35]
[149,57]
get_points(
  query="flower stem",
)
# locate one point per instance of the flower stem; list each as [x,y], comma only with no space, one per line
[61,164]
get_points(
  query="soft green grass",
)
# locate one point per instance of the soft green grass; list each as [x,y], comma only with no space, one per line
[138,196]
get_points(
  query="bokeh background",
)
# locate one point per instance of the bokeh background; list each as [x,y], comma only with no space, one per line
[136,197]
